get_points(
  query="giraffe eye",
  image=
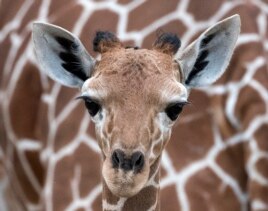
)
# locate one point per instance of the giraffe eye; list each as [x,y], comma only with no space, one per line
[92,106]
[173,110]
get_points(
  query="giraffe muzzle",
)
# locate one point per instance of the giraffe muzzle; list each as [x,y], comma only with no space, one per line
[135,162]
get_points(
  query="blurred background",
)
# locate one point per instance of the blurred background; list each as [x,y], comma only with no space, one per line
[217,158]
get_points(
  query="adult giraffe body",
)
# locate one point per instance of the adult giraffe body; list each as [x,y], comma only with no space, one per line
[46,164]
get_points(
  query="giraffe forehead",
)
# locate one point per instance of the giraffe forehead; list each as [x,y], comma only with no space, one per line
[152,91]
[127,62]
[143,73]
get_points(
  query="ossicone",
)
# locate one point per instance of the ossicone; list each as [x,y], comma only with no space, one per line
[105,41]
[168,43]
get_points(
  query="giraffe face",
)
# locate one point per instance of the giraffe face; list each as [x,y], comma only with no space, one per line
[134,95]
[133,117]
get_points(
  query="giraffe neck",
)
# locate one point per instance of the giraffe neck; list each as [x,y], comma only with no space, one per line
[146,199]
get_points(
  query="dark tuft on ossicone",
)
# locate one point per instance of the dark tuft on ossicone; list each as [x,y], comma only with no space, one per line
[167,43]
[104,40]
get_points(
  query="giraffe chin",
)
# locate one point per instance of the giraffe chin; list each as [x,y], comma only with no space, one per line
[124,184]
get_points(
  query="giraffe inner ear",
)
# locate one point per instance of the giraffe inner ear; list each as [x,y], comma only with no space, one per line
[61,55]
[205,60]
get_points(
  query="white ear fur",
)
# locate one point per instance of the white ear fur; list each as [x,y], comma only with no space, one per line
[205,60]
[61,55]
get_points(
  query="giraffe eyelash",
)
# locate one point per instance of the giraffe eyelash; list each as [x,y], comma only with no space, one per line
[92,106]
[173,110]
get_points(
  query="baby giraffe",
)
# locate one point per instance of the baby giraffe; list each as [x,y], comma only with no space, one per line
[134,97]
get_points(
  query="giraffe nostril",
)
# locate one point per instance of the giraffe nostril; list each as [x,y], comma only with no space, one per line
[117,158]
[134,163]
[137,161]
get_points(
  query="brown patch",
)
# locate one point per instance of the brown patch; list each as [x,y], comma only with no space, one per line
[141,16]
[202,10]
[65,96]
[91,130]
[3,173]
[189,142]
[5,46]
[3,137]
[247,152]
[59,7]
[168,199]
[19,177]
[249,105]
[33,158]
[80,209]
[231,160]
[124,1]
[72,11]
[42,124]
[7,11]
[64,135]
[206,191]
[143,200]
[262,76]
[162,172]
[90,174]
[25,102]
[261,136]
[262,166]
[257,191]
[65,172]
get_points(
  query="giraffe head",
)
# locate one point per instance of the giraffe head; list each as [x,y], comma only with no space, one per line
[134,96]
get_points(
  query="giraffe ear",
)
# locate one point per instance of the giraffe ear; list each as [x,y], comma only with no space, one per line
[205,60]
[61,55]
